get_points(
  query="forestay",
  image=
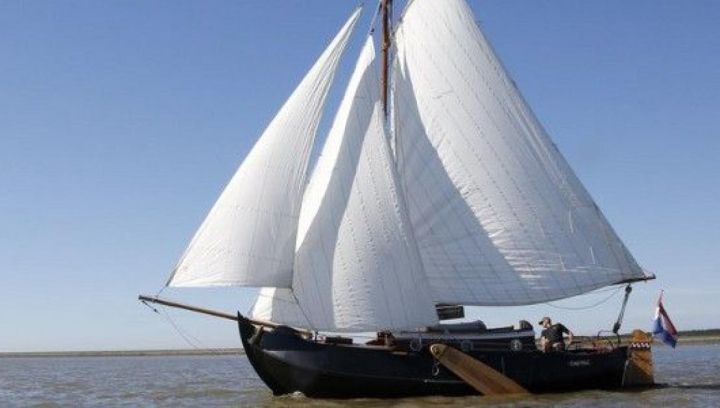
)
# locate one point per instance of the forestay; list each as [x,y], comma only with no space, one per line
[499,216]
[357,266]
[248,238]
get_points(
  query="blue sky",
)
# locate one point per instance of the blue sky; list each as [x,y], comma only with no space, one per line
[121,121]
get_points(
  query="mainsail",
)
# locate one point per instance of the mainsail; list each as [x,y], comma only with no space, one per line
[473,205]
[357,267]
[248,238]
[499,216]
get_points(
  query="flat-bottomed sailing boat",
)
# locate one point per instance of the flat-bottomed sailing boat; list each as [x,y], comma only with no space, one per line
[436,186]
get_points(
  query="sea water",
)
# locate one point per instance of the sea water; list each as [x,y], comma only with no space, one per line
[690,377]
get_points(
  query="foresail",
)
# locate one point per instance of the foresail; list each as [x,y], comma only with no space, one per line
[278,305]
[499,216]
[248,238]
[357,266]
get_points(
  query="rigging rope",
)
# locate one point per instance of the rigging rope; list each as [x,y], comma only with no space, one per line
[371,31]
[191,340]
[195,343]
[615,292]
[302,311]
[295,303]
[186,336]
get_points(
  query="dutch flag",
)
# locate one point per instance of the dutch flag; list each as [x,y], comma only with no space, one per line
[663,326]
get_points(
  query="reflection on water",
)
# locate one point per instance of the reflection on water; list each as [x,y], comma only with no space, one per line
[689,376]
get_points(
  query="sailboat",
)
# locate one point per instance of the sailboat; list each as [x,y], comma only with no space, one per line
[437,187]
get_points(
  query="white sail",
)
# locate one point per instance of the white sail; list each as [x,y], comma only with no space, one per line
[357,266]
[248,238]
[499,216]
[273,304]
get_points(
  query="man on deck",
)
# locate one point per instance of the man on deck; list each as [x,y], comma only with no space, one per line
[551,338]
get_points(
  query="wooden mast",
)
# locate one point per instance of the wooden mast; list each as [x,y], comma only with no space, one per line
[386,6]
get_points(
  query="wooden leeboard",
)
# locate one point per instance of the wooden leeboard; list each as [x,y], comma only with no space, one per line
[480,376]
[639,370]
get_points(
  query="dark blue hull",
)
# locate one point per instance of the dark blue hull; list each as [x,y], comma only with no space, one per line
[288,362]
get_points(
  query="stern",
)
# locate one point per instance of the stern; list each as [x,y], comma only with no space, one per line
[639,371]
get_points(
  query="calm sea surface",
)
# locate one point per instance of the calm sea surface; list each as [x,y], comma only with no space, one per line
[691,375]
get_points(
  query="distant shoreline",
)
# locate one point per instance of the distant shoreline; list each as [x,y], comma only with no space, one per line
[694,340]
[694,337]
[127,353]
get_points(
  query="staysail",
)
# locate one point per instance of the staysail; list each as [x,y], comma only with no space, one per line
[499,216]
[357,267]
[278,305]
[248,238]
